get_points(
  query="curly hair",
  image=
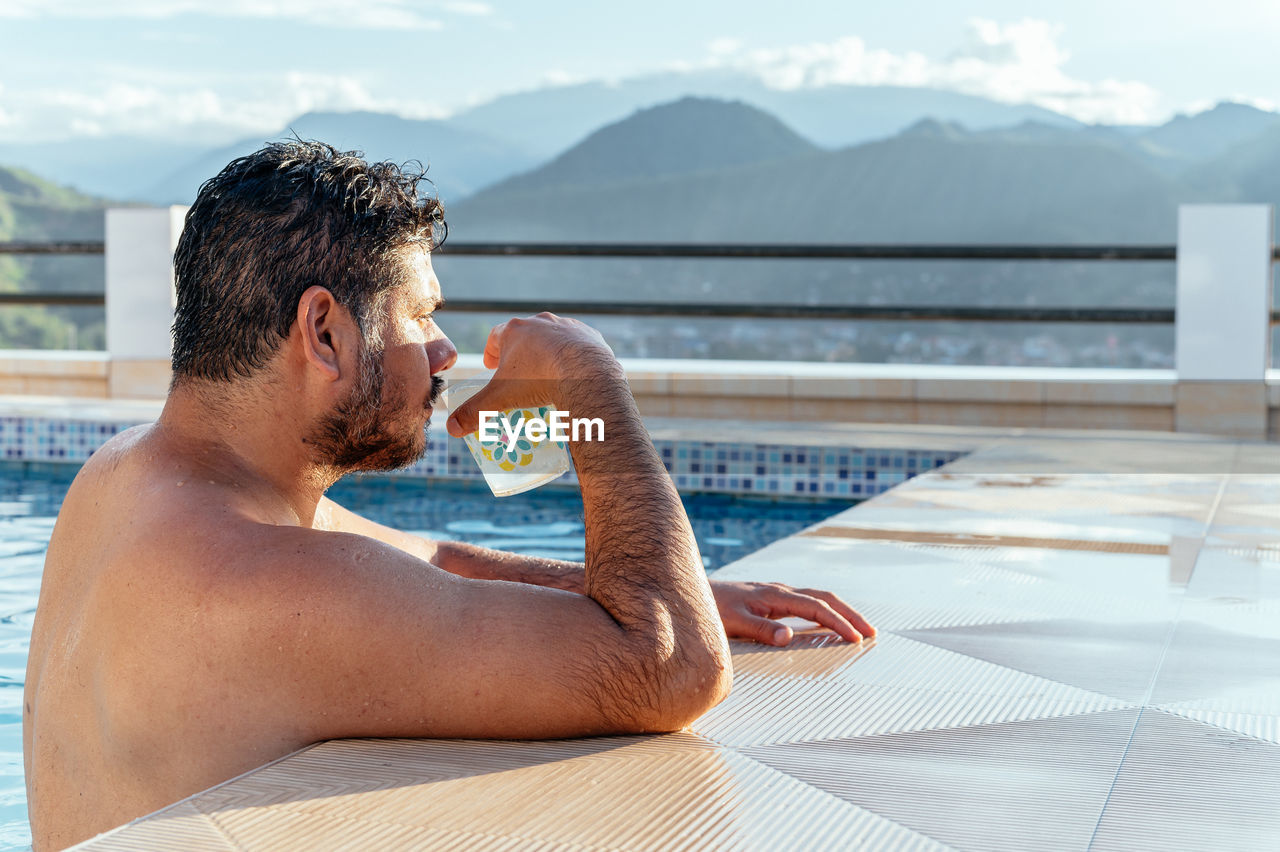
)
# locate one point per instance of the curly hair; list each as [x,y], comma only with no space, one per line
[276,222]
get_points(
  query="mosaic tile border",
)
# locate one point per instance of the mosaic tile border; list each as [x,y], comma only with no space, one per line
[718,467]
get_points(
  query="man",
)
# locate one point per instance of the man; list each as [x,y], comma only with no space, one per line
[205,608]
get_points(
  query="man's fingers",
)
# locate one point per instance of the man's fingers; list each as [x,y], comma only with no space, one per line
[797,604]
[465,419]
[493,345]
[764,631]
[837,603]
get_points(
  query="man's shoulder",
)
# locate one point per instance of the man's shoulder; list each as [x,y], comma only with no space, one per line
[149,521]
[223,551]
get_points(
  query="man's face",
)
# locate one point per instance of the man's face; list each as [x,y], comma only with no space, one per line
[381,423]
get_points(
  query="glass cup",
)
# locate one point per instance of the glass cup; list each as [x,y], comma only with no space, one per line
[510,468]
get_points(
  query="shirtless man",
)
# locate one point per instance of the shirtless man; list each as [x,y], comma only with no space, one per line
[206,608]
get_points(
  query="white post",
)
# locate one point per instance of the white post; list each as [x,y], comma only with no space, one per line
[140,298]
[1223,328]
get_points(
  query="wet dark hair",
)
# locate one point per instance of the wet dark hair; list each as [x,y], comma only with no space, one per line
[271,224]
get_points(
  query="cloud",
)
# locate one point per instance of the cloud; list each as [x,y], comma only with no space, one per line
[558,77]
[1264,104]
[358,14]
[1020,62]
[226,108]
[465,7]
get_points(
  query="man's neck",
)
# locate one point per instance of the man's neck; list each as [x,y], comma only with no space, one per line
[248,438]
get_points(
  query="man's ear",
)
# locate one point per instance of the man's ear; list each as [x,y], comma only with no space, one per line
[329,334]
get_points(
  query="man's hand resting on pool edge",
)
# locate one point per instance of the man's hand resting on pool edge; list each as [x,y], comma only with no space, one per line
[748,611]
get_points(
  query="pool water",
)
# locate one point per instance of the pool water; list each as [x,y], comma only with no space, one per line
[547,522]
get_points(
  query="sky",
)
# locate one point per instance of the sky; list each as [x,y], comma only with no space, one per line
[210,71]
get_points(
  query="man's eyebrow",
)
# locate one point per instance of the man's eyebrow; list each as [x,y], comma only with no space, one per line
[432,304]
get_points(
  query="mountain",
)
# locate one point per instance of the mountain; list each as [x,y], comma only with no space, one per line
[1211,133]
[37,210]
[32,208]
[1248,171]
[936,182]
[549,120]
[839,116]
[509,134]
[684,137]
[459,161]
[1118,138]
[108,166]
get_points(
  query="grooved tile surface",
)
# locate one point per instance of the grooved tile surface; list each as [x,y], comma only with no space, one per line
[1017,786]
[1079,648]
[1184,785]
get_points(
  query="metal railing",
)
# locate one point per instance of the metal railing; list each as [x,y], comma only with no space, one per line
[50,299]
[989,253]
[64,247]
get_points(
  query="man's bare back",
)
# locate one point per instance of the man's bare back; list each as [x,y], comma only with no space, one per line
[130,669]
[206,609]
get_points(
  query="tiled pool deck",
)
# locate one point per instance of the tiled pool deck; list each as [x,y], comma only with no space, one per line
[1079,649]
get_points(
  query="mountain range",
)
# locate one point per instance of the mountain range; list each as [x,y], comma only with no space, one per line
[936,181]
[702,168]
[511,133]
[459,161]
[744,164]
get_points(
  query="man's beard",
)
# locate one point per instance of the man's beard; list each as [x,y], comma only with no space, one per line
[357,436]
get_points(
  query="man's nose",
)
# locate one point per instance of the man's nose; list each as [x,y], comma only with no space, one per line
[441,354]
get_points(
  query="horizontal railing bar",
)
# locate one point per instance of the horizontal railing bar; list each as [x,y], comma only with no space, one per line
[729,251]
[686,250]
[737,311]
[828,312]
[79,247]
[815,252]
[58,299]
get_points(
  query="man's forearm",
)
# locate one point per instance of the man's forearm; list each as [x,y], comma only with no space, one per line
[483,563]
[666,660]
[642,560]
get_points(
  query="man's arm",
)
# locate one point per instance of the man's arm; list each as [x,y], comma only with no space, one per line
[458,557]
[338,635]
[748,610]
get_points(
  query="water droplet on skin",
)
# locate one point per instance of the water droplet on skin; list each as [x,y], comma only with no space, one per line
[181,482]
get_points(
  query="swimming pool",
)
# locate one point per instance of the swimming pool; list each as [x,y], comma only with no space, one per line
[547,522]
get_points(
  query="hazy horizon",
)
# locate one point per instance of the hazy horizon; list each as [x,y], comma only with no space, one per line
[197,72]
